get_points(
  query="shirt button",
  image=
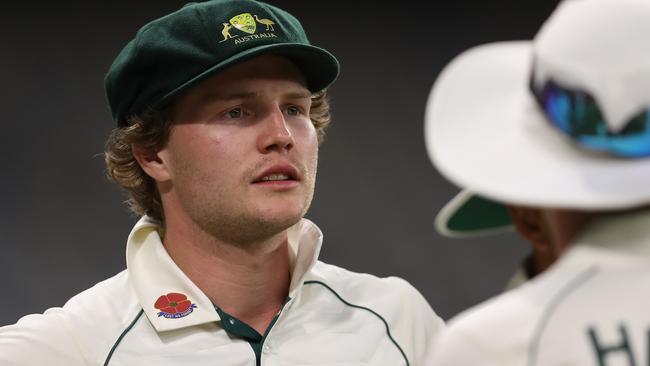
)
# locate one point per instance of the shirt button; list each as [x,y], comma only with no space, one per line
[266,348]
[231,321]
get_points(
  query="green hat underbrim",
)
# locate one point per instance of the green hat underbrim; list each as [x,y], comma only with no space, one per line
[469,214]
[319,67]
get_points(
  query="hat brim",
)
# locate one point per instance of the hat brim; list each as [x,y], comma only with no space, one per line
[485,133]
[319,67]
[470,215]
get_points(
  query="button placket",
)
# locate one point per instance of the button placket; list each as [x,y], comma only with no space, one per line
[267,348]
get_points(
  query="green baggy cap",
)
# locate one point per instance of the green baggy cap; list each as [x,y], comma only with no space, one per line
[171,54]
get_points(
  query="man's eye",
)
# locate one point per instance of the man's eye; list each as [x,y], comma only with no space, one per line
[293,111]
[235,113]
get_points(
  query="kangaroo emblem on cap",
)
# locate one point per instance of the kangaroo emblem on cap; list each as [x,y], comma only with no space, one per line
[226,32]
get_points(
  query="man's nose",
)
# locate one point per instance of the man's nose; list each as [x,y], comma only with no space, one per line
[276,133]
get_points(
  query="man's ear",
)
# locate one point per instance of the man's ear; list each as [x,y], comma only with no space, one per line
[528,222]
[150,161]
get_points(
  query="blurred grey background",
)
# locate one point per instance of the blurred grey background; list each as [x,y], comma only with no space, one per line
[63,225]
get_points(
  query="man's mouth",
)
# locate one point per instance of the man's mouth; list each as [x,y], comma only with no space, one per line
[278,173]
[274,177]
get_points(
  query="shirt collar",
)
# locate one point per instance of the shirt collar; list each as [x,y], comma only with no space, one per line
[154,275]
[305,241]
[616,238]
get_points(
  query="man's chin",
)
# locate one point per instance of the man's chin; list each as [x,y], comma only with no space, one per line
[281,211]
[274,221]
[280,222]
[253,230]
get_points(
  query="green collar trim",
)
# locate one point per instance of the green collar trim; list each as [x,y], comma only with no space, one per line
[240,329]
[237,327]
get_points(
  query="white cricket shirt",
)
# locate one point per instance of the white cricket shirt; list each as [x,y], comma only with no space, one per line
[592,307]
[152,314]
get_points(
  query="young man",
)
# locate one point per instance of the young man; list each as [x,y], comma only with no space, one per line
[558,132]
[220,109]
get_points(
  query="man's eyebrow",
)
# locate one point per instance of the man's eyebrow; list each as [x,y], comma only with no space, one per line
[209,97]
[220,96]
[299,95]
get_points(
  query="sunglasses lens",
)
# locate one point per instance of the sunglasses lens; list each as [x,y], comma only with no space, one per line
[557,105]
[634,139]
[577,114]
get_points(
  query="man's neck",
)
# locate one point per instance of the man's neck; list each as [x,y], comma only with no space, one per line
[250,283]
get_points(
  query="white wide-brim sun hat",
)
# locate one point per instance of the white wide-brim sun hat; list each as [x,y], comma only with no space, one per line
[485,132]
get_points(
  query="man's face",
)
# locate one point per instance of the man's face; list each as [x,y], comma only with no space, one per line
[242,152]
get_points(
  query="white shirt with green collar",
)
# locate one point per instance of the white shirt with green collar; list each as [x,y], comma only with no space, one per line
[589,308]
[152,314]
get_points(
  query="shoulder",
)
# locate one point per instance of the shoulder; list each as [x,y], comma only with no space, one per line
[80,332]
[407,315]
[107,302]
[347,281]
[494,332]
[364,288]
[502,330]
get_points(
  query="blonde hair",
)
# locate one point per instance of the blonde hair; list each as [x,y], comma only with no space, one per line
[150,130]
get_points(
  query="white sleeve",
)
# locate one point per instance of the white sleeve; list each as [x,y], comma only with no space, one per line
[424,325]
[39,340]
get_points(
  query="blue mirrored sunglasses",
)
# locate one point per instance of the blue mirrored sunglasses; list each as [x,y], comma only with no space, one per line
[577,114]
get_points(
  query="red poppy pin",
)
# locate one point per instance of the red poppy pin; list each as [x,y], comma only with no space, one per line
[174,305]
